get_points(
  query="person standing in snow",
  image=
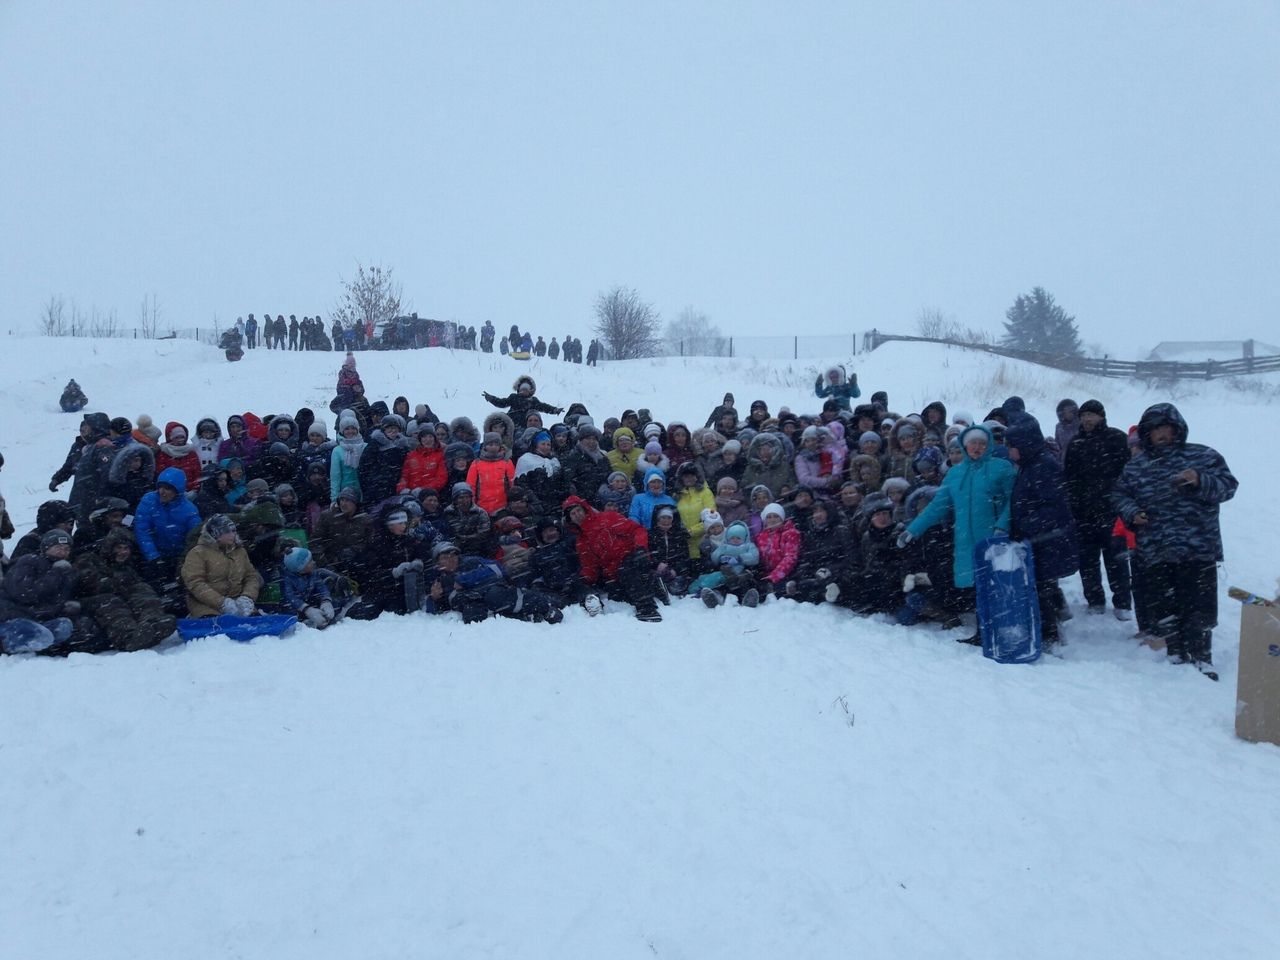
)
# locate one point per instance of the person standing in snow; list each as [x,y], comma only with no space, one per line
[978,492]
[1169,495]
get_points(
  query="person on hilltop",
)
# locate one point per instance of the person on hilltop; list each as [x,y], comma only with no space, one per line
[839,385]
[1169,495]
[522,400]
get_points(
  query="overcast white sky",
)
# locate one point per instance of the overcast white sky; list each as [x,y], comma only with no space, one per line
[795,167]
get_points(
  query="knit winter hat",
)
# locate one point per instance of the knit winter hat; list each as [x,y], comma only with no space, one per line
[459,489]
[616,473]
[396,516]
[393,420]
[1094,406]
[907,430]
[869,437]
[652,430]
[279,449]
[144,421]
[653,446]
[219,524]
[55,538]
[257,485]
[810,433]
[283,488]
[348,419]
[664,511]
[296,559]
[731,446]
[773,510]
[541,437]
[962,417]
[709,518]
[349,493]
[586,430]
[443,547]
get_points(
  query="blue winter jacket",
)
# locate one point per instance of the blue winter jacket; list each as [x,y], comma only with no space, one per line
[303,589]
[162,528]
[978,493]
[1041,513]
[473,575]
[644,503]
[1182,522]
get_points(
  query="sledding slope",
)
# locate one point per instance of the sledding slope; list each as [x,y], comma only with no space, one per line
[784,782]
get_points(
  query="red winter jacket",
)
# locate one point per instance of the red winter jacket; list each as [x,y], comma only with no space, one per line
[490,481]
[183,456]
[424,468]
[255,428]
[605,539]
[779,550]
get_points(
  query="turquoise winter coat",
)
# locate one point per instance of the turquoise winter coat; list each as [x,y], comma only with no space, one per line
[978,493]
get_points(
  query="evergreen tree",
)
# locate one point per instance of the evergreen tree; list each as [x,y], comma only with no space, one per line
[1036,323]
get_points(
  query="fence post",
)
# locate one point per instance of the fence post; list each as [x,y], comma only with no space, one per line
[795,348]
[731,347]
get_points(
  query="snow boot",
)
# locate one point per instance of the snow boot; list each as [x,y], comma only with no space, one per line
[660,590]
[751,598]
[710,597]
[648,612]
[592,604]
[1123,614]
[832,592]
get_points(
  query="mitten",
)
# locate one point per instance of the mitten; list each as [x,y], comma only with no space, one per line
[229,607]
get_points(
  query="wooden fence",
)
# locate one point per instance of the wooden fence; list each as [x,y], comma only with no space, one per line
[1105,366]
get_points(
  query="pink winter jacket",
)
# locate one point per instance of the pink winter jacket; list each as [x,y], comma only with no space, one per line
[779,550]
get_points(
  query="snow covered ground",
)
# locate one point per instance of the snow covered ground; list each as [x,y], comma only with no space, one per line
[785,782]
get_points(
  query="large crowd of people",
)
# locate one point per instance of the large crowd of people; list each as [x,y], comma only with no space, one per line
[311,333]
[541,506]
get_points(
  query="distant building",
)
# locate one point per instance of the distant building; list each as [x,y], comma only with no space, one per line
[1193,351]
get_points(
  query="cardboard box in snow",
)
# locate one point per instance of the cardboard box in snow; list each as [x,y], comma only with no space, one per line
[1258,687]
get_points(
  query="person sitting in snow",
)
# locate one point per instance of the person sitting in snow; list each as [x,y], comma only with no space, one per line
[73,399]
[613,554]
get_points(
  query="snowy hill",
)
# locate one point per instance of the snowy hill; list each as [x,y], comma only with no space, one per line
[786,782]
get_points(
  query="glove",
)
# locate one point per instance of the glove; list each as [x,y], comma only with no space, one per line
[71,608]
[559,410]
[229,607]
[53,486]
[327,609]
[822,573]
[904,538]
[399,570]
[415,565]
[314,617]
[62,564]
[922,580]
[244,606]
[908,583]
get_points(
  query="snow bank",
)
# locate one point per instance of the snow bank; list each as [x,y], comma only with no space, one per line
[792,781]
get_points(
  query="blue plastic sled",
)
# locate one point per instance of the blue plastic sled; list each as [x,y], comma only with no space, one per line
[1008,613]
[239,629]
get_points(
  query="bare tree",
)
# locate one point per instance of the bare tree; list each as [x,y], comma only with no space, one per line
[53,318]
[370,297]
[149,317]
[692,334]
[627,325]
[933,323]
[103,324]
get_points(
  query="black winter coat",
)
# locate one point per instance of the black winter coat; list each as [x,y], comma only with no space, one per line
[1039,513]
[33,589]
[380,466]
[584,474]
[1094,462]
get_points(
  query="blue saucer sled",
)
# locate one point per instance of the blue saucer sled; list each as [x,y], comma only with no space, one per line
[1004,576]
[239,629]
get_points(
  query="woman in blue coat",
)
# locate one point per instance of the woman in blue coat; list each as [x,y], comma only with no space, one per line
[1041,516]
[978,491]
